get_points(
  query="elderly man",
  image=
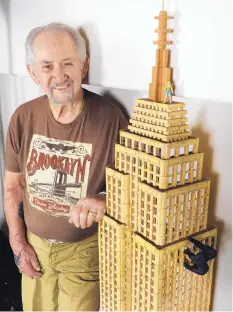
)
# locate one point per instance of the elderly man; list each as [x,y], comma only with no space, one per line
[57,148]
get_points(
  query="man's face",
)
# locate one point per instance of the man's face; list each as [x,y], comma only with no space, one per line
[57,67]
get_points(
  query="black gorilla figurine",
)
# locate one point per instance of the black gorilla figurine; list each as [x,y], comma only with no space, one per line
[199,260]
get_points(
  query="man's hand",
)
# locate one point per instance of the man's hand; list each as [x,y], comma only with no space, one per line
[27,262]
[88,210]
[24,254]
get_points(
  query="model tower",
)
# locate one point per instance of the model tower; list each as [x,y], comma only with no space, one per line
[156,199]
[161,73]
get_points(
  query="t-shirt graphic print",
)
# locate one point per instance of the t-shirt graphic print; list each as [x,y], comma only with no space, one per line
[57,174]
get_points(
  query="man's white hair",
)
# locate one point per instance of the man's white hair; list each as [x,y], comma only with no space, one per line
[57,27]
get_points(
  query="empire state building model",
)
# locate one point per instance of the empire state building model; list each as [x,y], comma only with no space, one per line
[157,201]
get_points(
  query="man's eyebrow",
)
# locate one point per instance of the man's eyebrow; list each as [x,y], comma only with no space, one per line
[63,60]
[45,62]
[66,59]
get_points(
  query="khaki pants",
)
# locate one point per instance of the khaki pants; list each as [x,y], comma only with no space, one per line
[70,280]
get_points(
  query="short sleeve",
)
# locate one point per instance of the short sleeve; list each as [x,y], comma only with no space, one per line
[124,121]
[122,124]
[12,149]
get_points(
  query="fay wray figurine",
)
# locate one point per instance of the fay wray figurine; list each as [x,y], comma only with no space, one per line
[168,93]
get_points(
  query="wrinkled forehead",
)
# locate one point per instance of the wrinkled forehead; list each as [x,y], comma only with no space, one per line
[54,46]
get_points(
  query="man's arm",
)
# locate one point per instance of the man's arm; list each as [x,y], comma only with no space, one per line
[25,257]
[13,197]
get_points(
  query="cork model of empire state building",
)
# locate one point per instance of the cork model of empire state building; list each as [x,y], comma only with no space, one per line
[156,198]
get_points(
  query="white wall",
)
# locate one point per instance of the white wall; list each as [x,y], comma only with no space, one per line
[121,34]
[4,37]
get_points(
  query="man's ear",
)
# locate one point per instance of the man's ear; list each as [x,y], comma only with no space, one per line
[32,73]
[85,67]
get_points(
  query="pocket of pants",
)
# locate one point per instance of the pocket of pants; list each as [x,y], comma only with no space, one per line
[78,257]
[89,256]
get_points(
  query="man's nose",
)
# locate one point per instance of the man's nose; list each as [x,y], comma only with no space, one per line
[59,74]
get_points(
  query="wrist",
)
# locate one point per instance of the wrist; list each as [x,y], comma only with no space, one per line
[17,242]
[102,194]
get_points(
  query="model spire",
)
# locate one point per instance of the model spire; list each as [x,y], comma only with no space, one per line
[161,73]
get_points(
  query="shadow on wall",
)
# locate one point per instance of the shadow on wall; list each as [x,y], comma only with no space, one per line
[124,99]
[198,130]
[205,147]
[94,75]
[118,103]
[3,224]
[10,278]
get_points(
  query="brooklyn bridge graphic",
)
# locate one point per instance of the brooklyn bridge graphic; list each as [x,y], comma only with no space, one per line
[57,174]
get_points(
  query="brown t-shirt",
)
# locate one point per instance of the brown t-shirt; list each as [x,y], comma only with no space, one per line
[61,163]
